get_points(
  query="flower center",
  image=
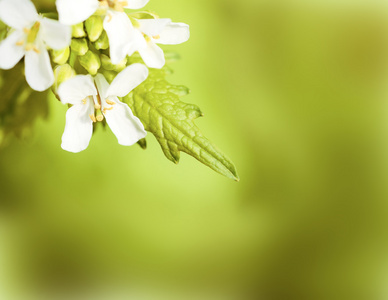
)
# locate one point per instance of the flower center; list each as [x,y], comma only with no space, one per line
[98,115]
[116,5]
[32,34]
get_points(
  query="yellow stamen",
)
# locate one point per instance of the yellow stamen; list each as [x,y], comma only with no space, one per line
[109,18]
[119,8]
[93,118]
[114,4]
[36,50]
[97,106]
[84,101]
[26,30]
[156,37]
[106,109]
[20,43]
[110,102]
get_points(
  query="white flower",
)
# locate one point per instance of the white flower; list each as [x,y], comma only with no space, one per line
[93,99]
[116,22]
[31,34]
[157,31]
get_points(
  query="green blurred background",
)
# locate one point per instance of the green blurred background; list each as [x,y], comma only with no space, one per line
[295,92]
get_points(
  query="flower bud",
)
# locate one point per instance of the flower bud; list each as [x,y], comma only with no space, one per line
[143,15]
[79,46]
[108,65]
[103,42]
[94,27]
[60,56]
[78,30]
[61,74]
[135,22]
[91,62]
[101,11]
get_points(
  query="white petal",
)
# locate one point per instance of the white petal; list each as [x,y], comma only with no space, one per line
[56,35]
[127,128]
[152,55]
[72,12]
[173,34]
[79,127]
[39,74]
[153,27]
[127,80]
[118,28]
[136,4]
[76,89]
[137,42]
[18,13]
[102,85]
[10,53]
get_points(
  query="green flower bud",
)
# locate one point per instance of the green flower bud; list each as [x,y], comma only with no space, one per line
[109,75]
[121,65]
[143,15]
[103,42]
[94,27]
[78,30]
[79,46]
[61,74]
[106,62]
[60,56]
[135,22]
[108,65]
[101,11]
[91,62]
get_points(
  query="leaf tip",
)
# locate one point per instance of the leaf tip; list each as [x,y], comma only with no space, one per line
[230,172]
[143,144]
[234,176]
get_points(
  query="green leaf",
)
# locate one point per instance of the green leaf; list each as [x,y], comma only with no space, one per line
[157,104]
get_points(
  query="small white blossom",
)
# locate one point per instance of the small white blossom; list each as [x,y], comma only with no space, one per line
[116,22]
[157,31]
[29,37]
[93,99]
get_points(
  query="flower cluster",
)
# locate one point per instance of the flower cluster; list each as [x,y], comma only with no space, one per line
[88,46]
